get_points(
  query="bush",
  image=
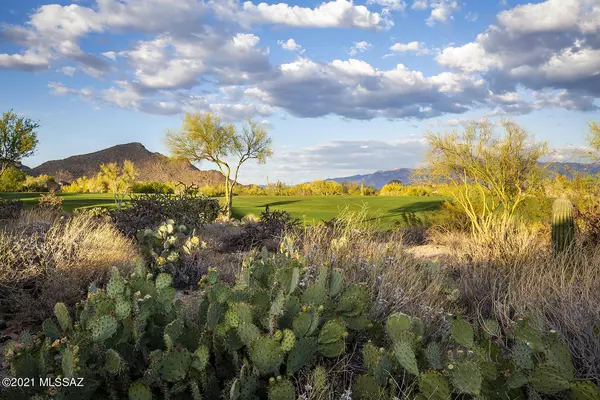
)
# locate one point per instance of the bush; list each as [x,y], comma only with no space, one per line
[398,189]
[42,183]
[45,259]
[50,201]
[150,210]
[153,187]
[12,180]
[10,208]
[272,226]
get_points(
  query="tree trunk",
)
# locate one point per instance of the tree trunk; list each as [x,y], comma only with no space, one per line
[227,198]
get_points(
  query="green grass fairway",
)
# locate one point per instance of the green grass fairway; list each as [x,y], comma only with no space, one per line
[308,208]
[316,208]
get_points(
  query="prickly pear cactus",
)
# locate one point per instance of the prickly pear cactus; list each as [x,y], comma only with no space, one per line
[434,386]
[563,226]
[281,389]
[63,317]
[139,391]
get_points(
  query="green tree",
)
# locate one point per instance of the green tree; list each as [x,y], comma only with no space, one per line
[18,139]
[203,137]
[593,139]
[491,174]
[12,180]
[120,181]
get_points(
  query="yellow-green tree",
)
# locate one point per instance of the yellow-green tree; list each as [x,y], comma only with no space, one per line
[593,139]
[491,174]
[18,139]
[119,180]
[203,137]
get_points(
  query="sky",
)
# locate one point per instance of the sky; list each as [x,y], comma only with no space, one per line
[344,87]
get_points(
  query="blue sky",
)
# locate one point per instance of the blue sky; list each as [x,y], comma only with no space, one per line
[344,86]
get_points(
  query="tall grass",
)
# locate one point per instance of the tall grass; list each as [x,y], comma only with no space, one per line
[46,257]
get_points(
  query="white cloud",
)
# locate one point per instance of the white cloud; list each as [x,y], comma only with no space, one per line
[335,13]
[110,54]
[28,61]
[441,11]
[420,5]
[552,44]
[389,5]
[290,45]
[69,71]
[359,47]
[412,47]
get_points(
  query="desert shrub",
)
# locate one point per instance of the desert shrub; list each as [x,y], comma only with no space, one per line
[10,208]
[12,180]
[50,201]
[267,232]
[149,210]
[153,187]
[42,183]
[87,185]
[45,258]
[212,190]
[172,248]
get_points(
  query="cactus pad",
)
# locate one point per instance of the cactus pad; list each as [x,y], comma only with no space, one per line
[175,365]
[462,332]
[63,317]
[139,391]
[103,328]
[434,386]
[466,377]
[266,354]
[163,281]
[521,354]
[115,286]
[548,379]
[406,357]
[114,363]
[282,389]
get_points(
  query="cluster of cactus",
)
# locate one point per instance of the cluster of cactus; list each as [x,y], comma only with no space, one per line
[563,226]
[163,247]
[477,361]
[133,340]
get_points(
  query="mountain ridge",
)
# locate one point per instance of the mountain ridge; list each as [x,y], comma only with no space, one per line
[150,165]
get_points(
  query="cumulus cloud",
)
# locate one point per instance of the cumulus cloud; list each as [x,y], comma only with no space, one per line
[441,10]
[335,13]
[412,47]
[552,44]
[359,47]
[355,89]
[290,45]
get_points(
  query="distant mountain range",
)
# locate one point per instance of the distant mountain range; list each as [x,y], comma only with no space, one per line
[150,166]
[380,178]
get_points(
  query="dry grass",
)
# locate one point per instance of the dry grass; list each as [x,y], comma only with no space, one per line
[46,257]
[510,274]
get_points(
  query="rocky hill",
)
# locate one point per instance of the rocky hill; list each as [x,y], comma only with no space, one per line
[150,166]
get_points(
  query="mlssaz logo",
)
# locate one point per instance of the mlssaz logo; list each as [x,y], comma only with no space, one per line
[61,382]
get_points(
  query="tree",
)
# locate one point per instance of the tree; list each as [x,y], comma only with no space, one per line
[203,137]
[491,175]
[119,181]
[593,139]
[18,139]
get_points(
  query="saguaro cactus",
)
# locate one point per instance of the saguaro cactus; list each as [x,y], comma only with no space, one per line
[563,227]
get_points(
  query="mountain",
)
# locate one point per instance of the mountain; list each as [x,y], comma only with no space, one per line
[380,178]
[150,166]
